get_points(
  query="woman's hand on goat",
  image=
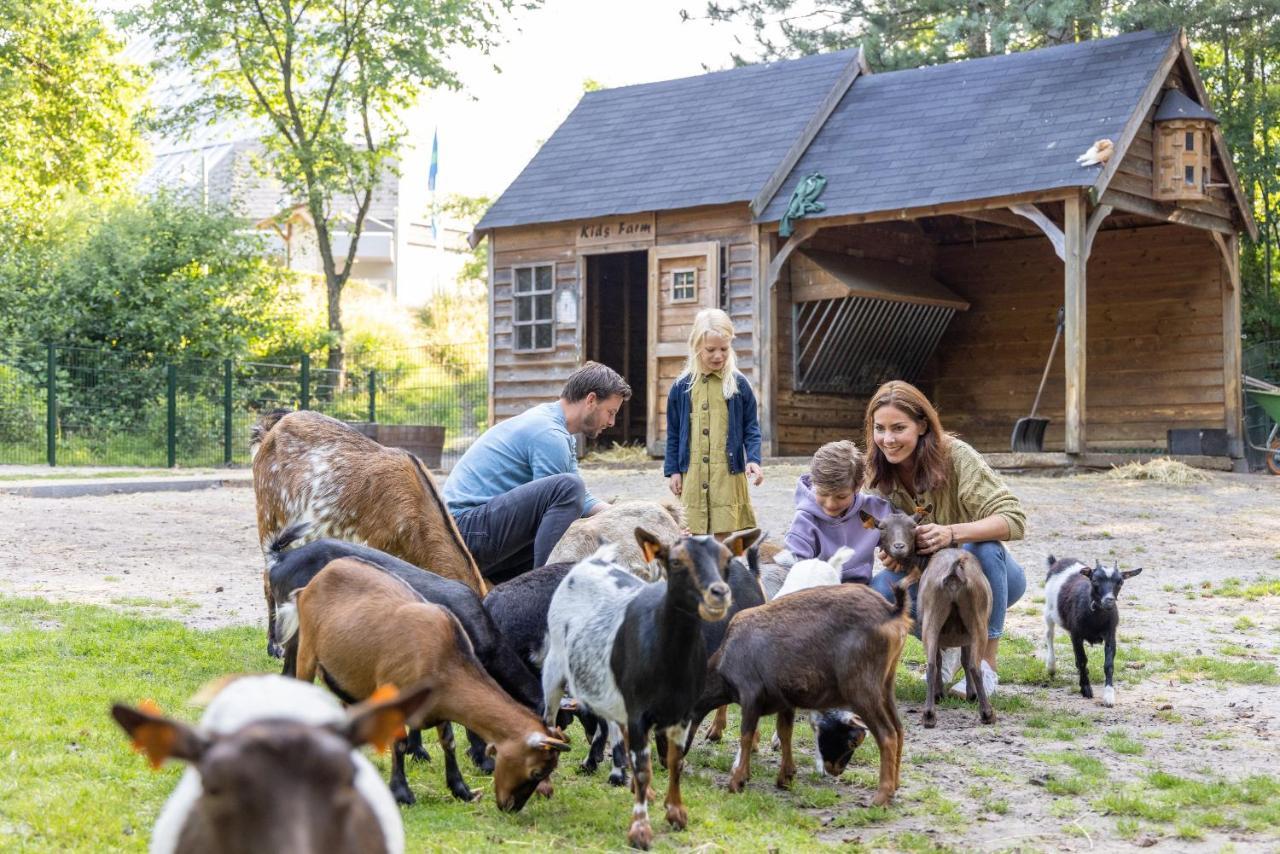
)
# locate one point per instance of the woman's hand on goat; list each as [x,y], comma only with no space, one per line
[755,474]
[931,538]
[676,483]
[888,562]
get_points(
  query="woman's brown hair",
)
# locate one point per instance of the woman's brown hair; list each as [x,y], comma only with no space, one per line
[932,454]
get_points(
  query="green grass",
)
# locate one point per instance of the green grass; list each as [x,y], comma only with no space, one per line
[1122,743]
[1243,624]
[1194,805]
[1256,589]
[54,474]
[72,783]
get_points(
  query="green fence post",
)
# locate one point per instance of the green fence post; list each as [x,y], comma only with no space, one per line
[306,381]
[226,412]
[51,406]
[373,395]
[172,425]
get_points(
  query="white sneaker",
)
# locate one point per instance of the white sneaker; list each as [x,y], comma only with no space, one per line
[950,666]
[989,682]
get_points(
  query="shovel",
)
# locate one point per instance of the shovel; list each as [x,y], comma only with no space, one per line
[1028,432]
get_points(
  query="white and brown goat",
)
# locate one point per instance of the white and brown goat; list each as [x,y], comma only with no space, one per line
[616,525]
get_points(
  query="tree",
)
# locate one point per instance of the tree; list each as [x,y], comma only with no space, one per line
[1236,44]
[67,106]
[328,81]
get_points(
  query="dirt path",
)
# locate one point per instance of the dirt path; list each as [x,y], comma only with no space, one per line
[193,556]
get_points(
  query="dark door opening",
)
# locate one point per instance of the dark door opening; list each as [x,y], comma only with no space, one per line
[617,334]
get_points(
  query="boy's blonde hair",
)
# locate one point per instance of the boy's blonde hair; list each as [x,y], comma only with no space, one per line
[714,321]
[837,466]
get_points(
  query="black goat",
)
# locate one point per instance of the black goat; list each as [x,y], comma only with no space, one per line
[292,569]
[1083,601]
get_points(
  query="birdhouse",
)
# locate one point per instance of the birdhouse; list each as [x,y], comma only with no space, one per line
[1182,148]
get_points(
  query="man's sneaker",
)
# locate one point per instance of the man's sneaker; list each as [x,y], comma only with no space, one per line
[950,666]
[989,681]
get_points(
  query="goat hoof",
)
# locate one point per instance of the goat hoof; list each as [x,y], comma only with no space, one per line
[588,765]
[677,816]
[640,835]
[617,778]
[929,719]
[463,793]
[784,781]
[881,798]
[989,716]
[736,786]
[1086,692]
[403,795]
[419,754]
[275,650]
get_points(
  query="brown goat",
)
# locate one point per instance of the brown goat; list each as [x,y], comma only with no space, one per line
[823,648]
[364,629]
[954,604]
[308,467]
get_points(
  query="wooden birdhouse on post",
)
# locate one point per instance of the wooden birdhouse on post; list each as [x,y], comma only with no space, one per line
[1183,153]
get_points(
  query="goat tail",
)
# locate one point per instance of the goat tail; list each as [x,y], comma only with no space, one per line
[281,542]
[287,619]
[259,431]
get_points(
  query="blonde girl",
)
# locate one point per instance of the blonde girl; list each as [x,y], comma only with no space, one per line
[713,436]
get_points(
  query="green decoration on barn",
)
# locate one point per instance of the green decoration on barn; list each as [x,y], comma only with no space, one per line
[804,201]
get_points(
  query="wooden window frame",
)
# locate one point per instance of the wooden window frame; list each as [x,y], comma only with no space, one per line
[532,295]
[689,299]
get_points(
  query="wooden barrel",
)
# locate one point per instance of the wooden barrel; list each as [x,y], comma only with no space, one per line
[426,441]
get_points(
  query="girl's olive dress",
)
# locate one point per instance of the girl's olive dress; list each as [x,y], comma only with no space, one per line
[715,501]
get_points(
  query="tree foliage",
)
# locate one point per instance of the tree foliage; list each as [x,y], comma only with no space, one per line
[1236,44]
[67,108]
[328,81]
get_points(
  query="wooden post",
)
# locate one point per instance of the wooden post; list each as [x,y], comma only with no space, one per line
[765,335]
[1231,348]
[1076,257]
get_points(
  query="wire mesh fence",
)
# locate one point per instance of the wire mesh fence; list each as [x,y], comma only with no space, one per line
[1261,361]
[63,405]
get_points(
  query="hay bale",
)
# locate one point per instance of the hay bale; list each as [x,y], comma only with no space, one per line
[1161,470]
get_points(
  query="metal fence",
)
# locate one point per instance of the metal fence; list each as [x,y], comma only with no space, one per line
[63,405]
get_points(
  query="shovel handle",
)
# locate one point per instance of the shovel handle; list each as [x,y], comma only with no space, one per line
[1053,349]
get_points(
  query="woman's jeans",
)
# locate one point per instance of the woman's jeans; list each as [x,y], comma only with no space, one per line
[1008,583]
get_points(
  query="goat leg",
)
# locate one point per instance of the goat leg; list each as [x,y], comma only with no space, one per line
[640,834]
[452,775]
[718,724]
[660,747]
[1082,665]
[1050,663]
[787,769]
[415,748]
[677,814]
[932,683]
[1108,669]
[742,762]
[973,673]
[477,752]
[886,736]
[597,737]
[273,646]
[399,782]
[618,755]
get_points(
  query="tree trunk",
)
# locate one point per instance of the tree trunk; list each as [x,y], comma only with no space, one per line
[333,281]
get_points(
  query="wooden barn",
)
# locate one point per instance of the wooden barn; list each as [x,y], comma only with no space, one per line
[924,224]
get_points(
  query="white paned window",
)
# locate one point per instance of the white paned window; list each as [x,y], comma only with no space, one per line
[533,321]
[684,286]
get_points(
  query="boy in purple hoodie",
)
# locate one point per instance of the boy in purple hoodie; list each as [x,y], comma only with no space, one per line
[827,505]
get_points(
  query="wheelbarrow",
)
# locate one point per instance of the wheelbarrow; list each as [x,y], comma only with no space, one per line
[1267,396]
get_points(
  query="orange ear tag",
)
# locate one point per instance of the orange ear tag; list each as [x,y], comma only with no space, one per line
[155,740]
[388,725]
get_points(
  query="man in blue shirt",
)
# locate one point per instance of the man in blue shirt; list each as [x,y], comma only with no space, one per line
[517,488]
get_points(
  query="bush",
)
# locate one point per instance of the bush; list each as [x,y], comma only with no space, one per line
[21,405]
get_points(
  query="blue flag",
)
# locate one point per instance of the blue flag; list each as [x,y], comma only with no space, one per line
[431,177]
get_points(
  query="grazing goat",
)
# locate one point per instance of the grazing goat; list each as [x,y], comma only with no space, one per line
[267,765]
[519,608]
[634,652]
[363,629]
[823,648]
[293,569]
[954,604]
[308,467]
[617,525]
[837,733]
[1084,602]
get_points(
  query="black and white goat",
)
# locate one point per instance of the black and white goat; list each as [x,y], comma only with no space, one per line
[1084,602]
[634,652]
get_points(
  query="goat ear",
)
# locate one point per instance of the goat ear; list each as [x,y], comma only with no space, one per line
[381,719]
[158,737]
[739,541]
[868,521]
[491,750]
[1130,573]
[922,512]
[1086,572]
[650,546]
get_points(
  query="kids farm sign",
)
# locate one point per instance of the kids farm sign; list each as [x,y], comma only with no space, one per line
[616,229]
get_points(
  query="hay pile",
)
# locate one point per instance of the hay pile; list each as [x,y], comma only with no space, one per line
[1161,470]
[619,455]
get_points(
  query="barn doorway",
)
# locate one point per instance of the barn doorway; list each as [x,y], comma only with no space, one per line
[617,334]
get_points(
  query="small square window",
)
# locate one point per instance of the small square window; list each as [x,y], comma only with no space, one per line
[1191,141]
[1189,173]
[684,286]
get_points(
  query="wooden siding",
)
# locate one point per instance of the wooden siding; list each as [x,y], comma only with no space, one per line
[1154,339]
[522,380]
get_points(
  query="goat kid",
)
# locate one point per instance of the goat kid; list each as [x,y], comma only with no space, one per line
[634,652]
[308,467]
[898,536]
[822,648]
[290,569]
[273,767]
[362,629]
[1085,602]
[954,605]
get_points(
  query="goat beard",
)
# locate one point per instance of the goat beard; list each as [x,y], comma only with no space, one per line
[709,615]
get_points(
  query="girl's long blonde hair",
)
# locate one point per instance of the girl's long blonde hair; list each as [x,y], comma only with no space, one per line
[714,321]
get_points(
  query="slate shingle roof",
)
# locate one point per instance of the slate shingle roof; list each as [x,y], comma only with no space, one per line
[702,140]
[976,129]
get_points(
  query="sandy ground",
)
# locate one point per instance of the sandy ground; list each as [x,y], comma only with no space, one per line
[194,556]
